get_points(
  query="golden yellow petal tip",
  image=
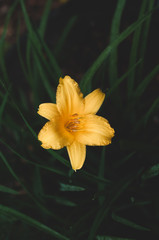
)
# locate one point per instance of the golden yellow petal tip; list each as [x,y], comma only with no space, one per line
[60,80]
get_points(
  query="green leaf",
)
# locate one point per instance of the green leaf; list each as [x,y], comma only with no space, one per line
[120,80]
[106,52]
[32,222]
[44,18]
[3,104]
[44,79]
[112,238]
[143,85]
[37,183]
[61,200]
[116,191]
[46,167]
[152,109]
[25,121]
[144,38]
[23,186]
[101,172]
[134,50]
[65,34]
[91,177]
[124,159]
[8,190]
[113,62]
[70,188]
[151,172]
[3,42]
[115,30]
[59,157]
[143,121]
[128,223]
[38,43]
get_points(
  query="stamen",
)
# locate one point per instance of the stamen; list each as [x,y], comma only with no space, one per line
[73,124]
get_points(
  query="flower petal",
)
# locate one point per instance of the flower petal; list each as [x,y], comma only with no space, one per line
[93,101]
[48,110]
[96,131]
[77,154]
[54,136]
[69,98]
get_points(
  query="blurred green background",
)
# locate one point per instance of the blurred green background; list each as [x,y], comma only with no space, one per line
[112,45]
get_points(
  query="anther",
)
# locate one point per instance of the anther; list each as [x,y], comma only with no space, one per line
[73,123]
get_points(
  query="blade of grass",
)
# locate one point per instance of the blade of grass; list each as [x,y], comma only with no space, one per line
[8,190]
[38,41]
[40,51]
[101,186]
[116,191]
[44,18]
[131,205]
[39,67]
[134,50]
[23,100]
[44,77]
[70,188]
[125,159]
[128,223]
[38,204]
[106,52]
[3,84]
[32,222]
[91,177]
[37,183]
[144,38]
[142,86]
[151,172]
[65,34]
[143,121]
[115,30]
[3,104]
[120,80]
[56,72]
[59,172]
[19,50]
[23,186]
[112,238]
[25,121]
[35,55]
[27,66]
[3,41]
[94,178]
[151,110]
[113,62]
[59,157]
[29,63]
[61,200]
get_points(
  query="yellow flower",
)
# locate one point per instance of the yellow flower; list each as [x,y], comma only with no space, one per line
[73,123]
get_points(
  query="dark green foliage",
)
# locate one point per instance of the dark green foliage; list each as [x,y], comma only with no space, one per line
[115,195]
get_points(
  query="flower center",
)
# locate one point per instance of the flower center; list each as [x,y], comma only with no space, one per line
[73,124]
